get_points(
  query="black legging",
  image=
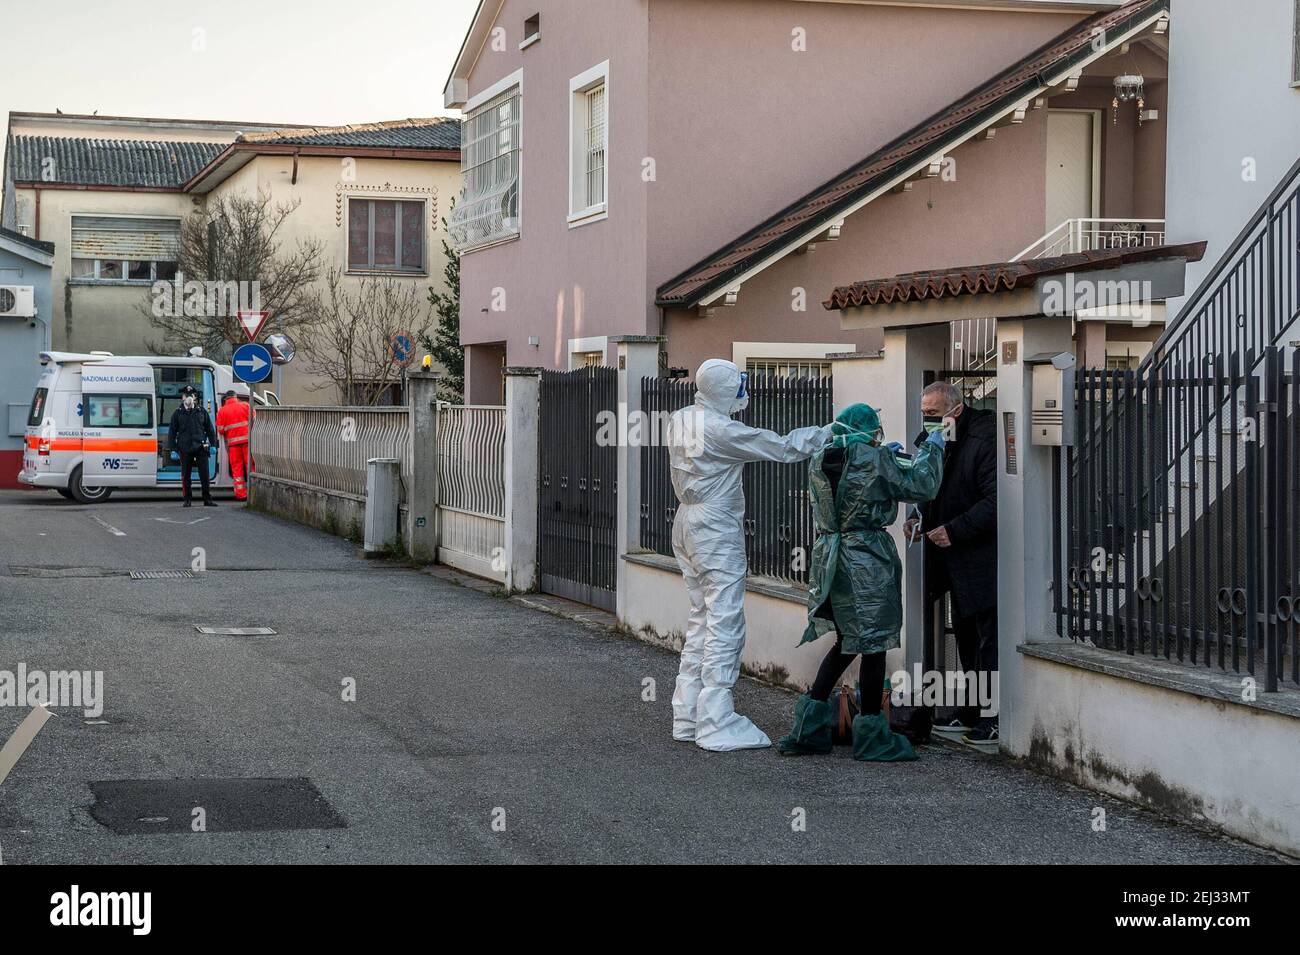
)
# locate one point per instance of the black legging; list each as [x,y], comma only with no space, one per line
[871,677]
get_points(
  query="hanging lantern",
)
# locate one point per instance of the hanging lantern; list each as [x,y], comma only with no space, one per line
[1128,87]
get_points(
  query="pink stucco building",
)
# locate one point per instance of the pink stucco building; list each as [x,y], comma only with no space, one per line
[708,170]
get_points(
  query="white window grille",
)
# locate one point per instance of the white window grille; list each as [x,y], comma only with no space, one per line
[488,208]
[589,145]
[595,179]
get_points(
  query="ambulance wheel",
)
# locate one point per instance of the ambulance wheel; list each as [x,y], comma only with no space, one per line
[64,492]
[86,495]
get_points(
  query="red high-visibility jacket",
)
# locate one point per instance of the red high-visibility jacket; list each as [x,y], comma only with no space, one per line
[232,422]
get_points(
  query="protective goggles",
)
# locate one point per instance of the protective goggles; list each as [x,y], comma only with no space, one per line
[744,383]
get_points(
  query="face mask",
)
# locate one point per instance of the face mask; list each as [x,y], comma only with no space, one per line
[189,401]
[933,423]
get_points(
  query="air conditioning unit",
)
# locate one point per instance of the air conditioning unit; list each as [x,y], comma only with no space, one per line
[17,301]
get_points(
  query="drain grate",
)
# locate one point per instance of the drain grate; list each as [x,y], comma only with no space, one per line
[162,574]
[236,631]
[149,806]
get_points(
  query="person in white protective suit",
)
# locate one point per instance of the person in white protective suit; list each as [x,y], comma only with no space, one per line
[707,451]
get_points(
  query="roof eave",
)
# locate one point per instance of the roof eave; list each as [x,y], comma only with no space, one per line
[710,291]
[455,92]
[237,155]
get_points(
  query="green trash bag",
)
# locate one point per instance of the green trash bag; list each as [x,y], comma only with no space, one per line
[812,729]
[874,741]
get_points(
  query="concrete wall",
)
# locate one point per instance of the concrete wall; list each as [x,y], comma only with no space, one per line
[1193,758]
[1230,102]
[21,340]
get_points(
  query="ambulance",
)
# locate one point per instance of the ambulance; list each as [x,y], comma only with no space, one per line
[99,422]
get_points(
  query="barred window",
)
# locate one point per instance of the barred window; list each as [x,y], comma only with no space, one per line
[789,367]
[488,209]
[588,142]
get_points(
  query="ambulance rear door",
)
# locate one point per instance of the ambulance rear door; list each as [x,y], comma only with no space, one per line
[119,436]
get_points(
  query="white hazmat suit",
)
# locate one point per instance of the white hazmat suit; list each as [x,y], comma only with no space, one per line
[707,451]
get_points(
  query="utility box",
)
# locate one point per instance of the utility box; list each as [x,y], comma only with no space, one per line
[1052,392]
[383,493]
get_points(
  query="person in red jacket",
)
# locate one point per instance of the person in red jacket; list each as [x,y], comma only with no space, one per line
[232,426]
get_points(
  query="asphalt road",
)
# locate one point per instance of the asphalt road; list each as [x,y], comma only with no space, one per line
[481,731]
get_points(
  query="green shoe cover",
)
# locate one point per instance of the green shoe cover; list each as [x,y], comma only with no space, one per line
[812,729]
[874,741]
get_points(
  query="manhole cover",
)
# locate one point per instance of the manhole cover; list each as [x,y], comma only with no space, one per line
[145,806]
[50,570]
[236,631]
[161,574]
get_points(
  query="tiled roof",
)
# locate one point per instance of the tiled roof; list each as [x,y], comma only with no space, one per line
[998,276]
[37,244]
[827,202]
[107,162]
[433,133]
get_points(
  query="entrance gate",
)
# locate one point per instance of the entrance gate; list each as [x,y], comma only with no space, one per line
[578,496]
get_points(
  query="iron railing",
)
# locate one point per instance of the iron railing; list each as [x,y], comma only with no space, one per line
[1178,523]
[1087,235]
[778,523]
[328,448]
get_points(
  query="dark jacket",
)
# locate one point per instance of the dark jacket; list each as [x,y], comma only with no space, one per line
[189,429]
[967,504]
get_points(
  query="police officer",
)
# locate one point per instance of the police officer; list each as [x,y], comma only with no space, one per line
[191,436]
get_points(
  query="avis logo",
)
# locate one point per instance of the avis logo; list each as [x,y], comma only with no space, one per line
[103,908]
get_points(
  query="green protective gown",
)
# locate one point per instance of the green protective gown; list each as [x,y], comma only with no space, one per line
[855,565]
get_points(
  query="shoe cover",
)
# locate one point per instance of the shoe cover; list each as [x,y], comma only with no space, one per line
[812,728]
[720,729]
[875,742]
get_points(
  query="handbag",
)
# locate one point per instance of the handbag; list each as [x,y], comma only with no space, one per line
[846,705]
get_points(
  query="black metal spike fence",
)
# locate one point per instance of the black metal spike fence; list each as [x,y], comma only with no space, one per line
[1178,521]
[778,513]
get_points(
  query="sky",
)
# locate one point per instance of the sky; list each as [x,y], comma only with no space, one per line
[326,62]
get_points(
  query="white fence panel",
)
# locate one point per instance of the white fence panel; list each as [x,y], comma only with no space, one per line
[328,448]
[471,488]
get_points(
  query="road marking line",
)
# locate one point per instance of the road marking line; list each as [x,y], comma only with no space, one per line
[22,738]
[107,526]
[168,520]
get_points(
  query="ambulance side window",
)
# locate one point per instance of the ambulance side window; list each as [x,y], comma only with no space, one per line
[118,411]
[37,414]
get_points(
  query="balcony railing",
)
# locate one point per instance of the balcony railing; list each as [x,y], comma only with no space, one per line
[1086,235]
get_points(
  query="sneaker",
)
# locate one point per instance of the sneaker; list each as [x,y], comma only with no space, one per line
[954,726]
[984,736]
[209,503]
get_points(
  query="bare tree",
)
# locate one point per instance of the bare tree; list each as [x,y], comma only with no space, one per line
[349,332]
[230,259]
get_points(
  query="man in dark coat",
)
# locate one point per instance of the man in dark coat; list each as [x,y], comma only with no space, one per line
[191,435]
[960,527]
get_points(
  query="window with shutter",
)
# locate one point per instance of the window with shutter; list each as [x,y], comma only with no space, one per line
[123,248]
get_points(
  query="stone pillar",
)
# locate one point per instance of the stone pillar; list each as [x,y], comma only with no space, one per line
[892,382]
[523,392]
[422,492]
[638,357]
[1025,514]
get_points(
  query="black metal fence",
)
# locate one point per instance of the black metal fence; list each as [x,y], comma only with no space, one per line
[778,513]
[1179,523]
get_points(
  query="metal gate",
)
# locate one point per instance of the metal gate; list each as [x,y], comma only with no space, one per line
[578,497]
[1181,513]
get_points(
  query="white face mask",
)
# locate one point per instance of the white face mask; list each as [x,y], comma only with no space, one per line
[189,401]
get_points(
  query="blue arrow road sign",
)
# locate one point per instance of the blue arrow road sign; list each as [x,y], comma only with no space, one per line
[251,363]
